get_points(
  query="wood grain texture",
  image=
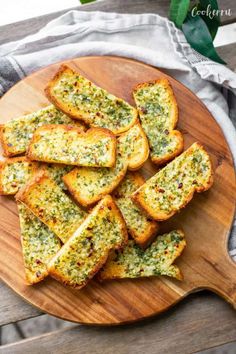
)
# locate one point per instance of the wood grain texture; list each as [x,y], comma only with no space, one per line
[206,221]
[18,30]
[185,329]
[228,53]
[13,308]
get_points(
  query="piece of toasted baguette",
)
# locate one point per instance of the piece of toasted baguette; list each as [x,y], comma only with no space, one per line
[173,187]
[16,134]
[81,99]
[158,112]
[87,250]
[56,172]
[88,185]
[39,245]
[14,173]
[134,144]
[138,225]
[51,205]
[71,146]
[157,259]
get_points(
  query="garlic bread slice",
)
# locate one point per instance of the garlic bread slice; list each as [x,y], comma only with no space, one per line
[56,172]
[158,112]
[16,134]
[39,245]
[87,250]
[14,173]
[173,187]
[79,98]
[51,205]
[156,260]
[134,144]
[71,146]
[88,185]
[139,226]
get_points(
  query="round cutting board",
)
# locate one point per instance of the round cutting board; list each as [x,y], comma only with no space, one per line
[206,221]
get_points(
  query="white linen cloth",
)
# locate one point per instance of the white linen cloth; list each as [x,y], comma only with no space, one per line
[148,38]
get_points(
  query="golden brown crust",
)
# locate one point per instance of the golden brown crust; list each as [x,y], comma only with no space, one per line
[6,151]
[173,120]
[168,157]
[12,160]
[107,201]
[32,279]
[89,134]
[78,196]
[113,270]
[146,237]
[134,164]
[23,192]
[74,113]
[158,215]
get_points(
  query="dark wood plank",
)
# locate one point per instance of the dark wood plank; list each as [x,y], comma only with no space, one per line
[13,308]
[21,29]
[228,53]
[185,329]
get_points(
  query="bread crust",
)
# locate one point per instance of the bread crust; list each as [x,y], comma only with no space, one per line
[146,237]
[113,270]
[89,135]
[31,190]
[134,164]
[173,120]
[76,113]
[158,215]
[78,195]
[13,160]
[6,151]
[108,202]
[10,149]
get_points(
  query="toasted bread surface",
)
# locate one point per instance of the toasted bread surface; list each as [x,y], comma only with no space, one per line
[51,205]
[71,146]
[157,259]
[158,112]
[142,229]
[134,144]
[87,250]
[173,187]
[56,172]
[16,134]
[39,245]
[14,173]
[88,185]
[81,99]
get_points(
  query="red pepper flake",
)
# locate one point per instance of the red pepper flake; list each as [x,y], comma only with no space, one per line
[166,131]
[143,110]
[161,190]
[37,261]
[180,185]
[38,274]
[194,182]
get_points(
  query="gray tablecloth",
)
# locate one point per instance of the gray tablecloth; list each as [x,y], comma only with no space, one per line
[149,38]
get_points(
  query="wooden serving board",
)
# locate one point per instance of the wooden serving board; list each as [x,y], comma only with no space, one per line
[206,220]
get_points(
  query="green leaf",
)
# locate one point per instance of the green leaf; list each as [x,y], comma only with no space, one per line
[198,36]
[178,11]
[211,19]
[86,1]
